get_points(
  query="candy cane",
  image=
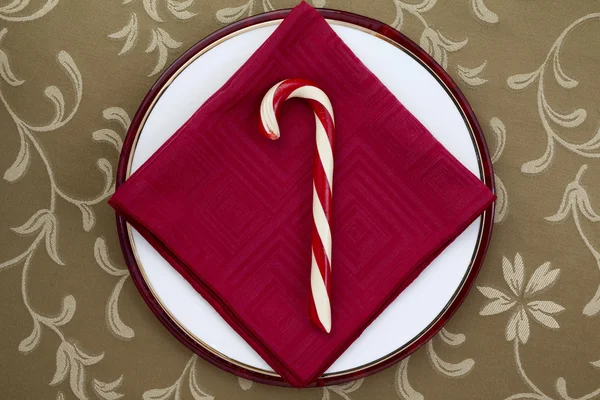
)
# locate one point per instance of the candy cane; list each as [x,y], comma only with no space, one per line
[320,275]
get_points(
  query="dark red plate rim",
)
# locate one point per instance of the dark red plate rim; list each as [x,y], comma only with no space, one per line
[384,31]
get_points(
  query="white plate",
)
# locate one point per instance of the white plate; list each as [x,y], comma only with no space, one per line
[422,302]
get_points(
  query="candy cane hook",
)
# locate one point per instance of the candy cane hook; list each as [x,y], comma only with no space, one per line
[320,275]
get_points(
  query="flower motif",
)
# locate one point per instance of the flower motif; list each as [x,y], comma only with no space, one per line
[519,299]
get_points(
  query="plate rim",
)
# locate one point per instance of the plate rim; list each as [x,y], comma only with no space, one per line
[384,32]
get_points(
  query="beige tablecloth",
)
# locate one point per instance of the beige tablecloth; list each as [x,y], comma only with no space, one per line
[73,326]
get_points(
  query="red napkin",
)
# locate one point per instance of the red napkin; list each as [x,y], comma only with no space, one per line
[231,210]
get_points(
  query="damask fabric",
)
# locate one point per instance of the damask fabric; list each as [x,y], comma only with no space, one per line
[73,324]
[231,210]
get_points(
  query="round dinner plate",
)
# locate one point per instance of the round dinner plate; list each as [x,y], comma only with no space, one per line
[421,85]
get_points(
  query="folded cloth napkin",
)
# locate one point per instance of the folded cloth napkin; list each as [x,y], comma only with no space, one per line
[231,210]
